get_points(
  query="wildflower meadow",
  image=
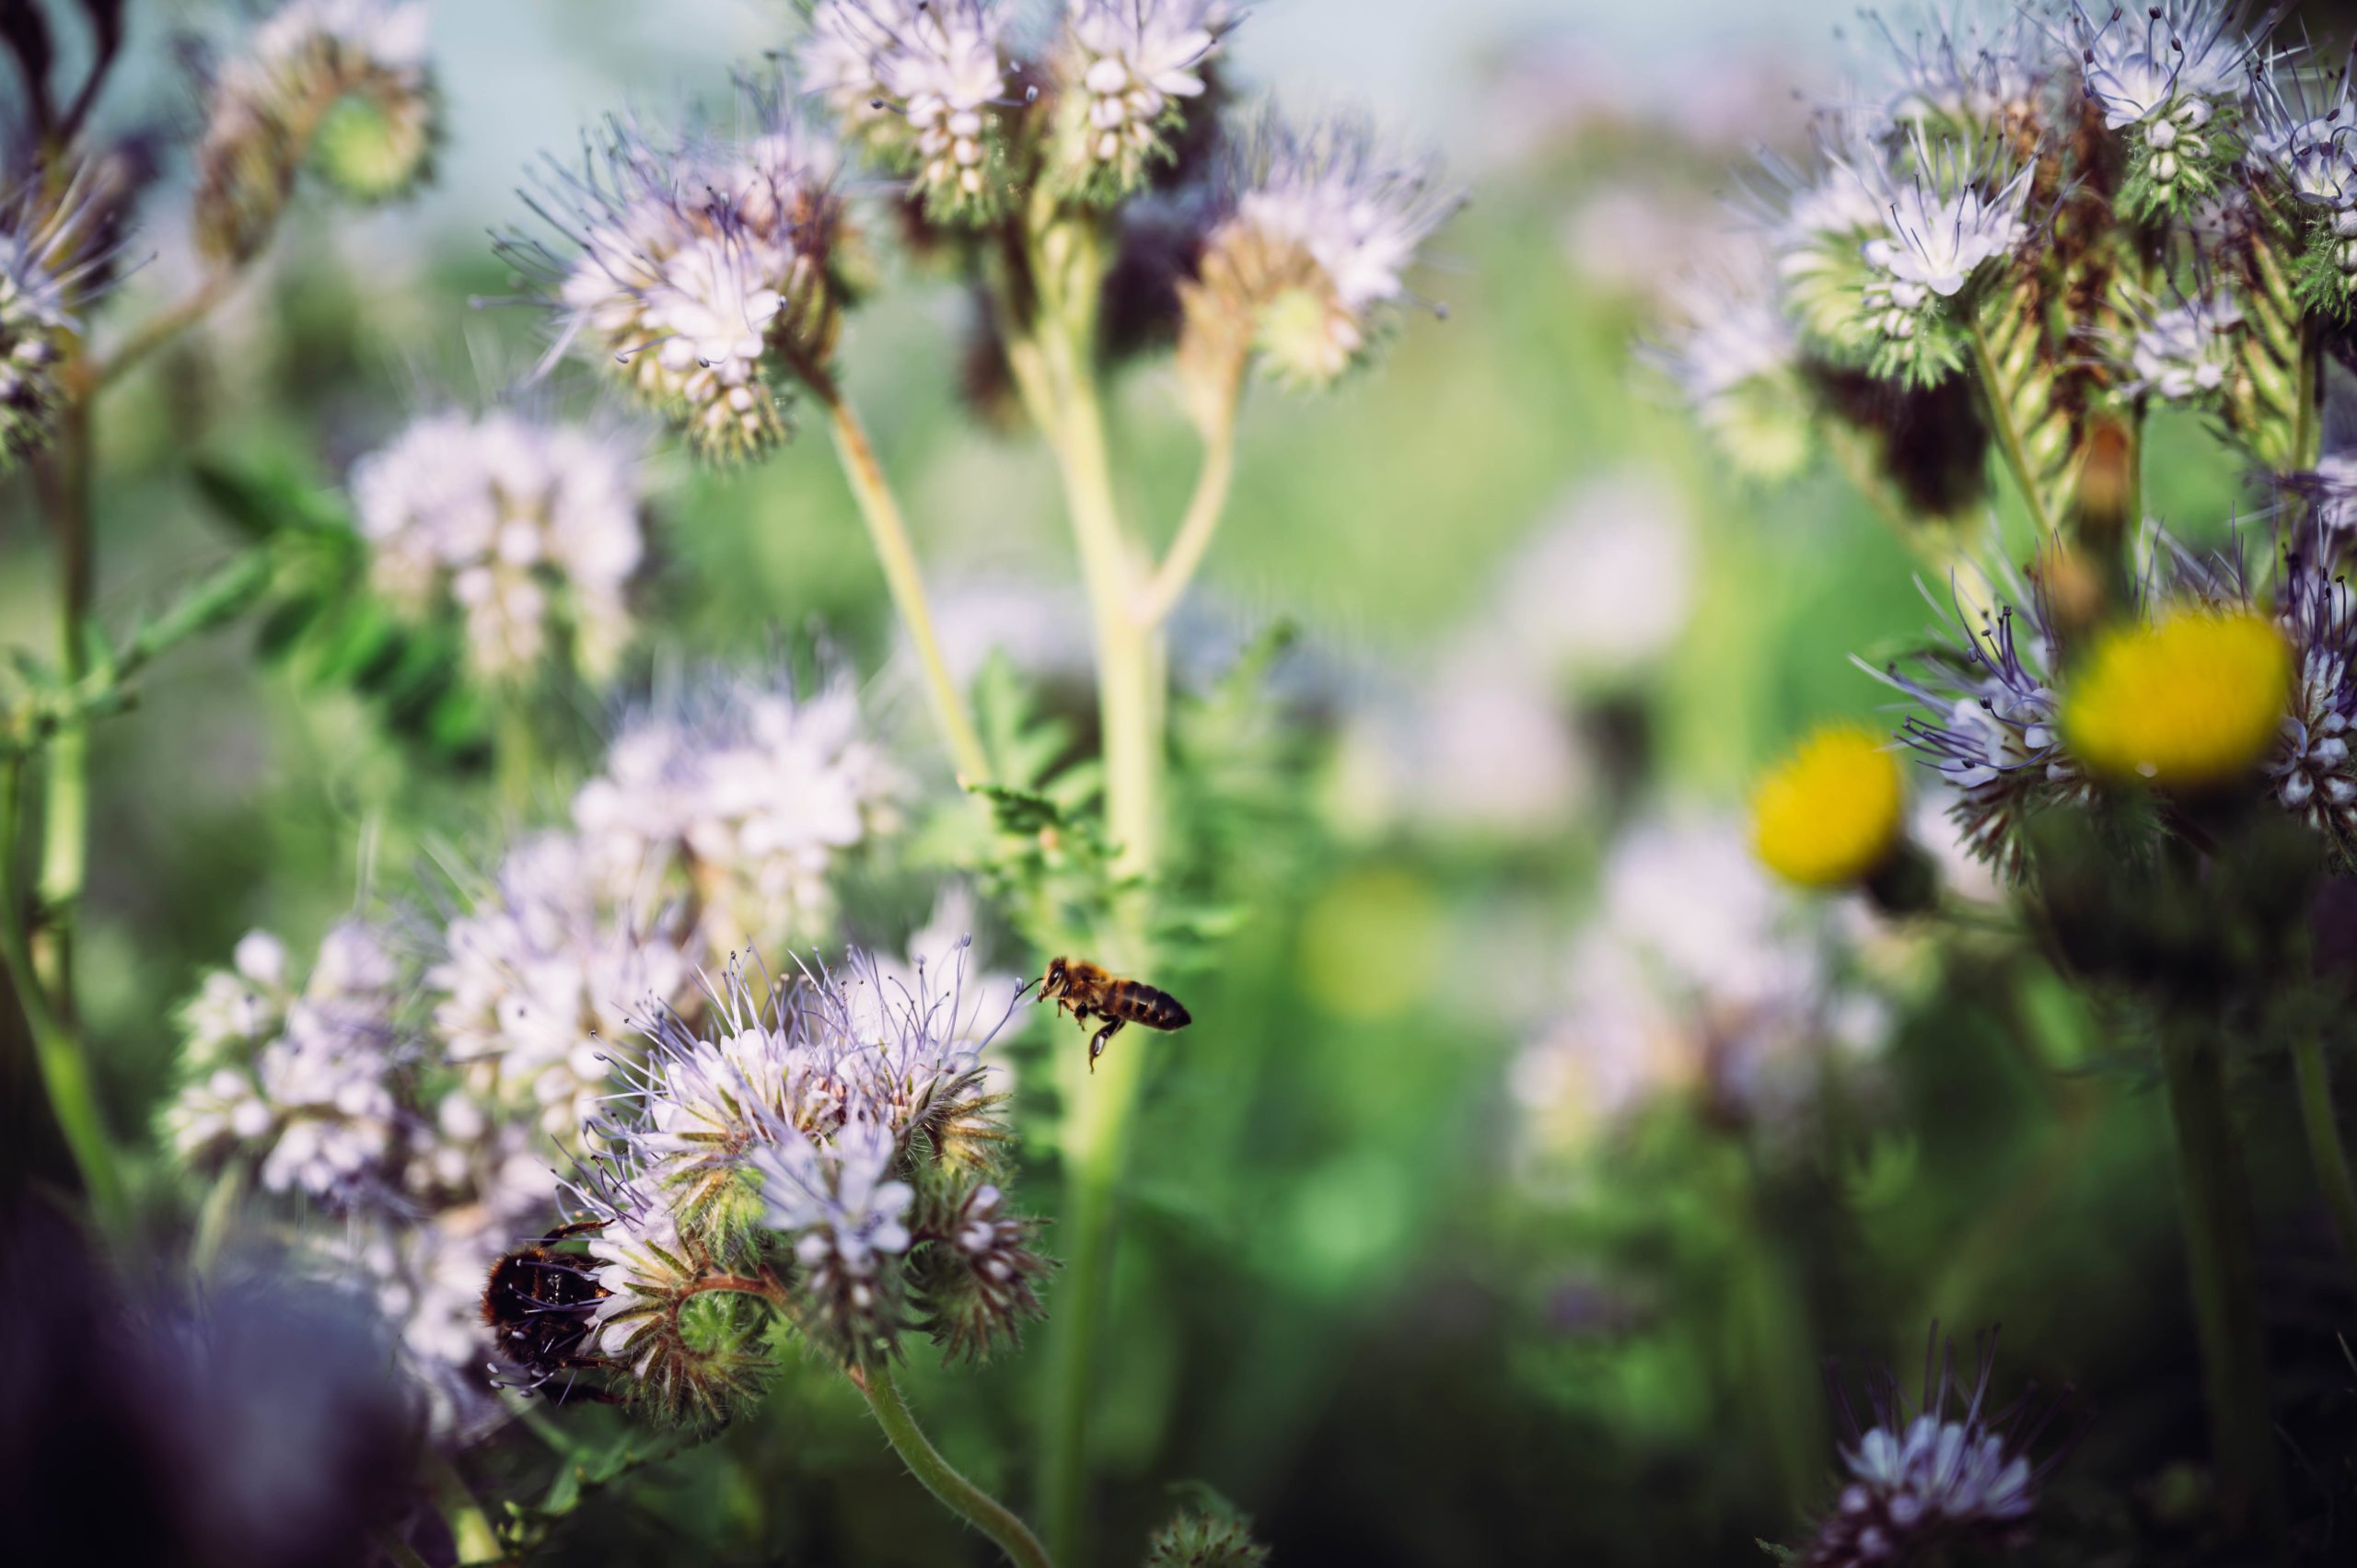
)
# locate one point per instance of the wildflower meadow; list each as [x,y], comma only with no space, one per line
[1177,781]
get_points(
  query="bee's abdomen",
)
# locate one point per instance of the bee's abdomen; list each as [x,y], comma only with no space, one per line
[1139,1004]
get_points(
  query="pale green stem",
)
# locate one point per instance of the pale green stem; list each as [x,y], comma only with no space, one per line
[2307,428]
[898,557]
[960,1496]
[2329,1154]
[2009,437]
[1204,510]
[63,1072]
[163,326]
[2224,1278]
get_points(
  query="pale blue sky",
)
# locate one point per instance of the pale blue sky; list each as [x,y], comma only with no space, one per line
[522,75]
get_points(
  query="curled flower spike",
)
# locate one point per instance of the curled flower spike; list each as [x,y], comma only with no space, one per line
[2167,77]
[685,1337]
[1966,75]
[301,1085]
[1881,253]
[1130,70]
[1307,266]
[529,531]
[342,83]
[2312,771]
[2193,701]
[1927,1479]
[1987,723]
[689,267]
[51,270]
[923,84]
[976,1276]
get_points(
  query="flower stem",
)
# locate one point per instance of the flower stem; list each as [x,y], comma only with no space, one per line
[2325,1146]
[162,327]
[2009,437]
[889,534]
[960,1496]
[63,1073]
[2224,1279]
[1194,536]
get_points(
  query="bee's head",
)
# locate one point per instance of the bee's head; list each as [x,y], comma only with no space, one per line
[1055,980]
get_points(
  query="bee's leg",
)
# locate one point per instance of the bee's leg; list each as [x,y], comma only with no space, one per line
[1096,1046]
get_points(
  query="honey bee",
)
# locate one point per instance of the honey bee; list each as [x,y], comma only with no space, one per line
[1086,991]
[538,1302]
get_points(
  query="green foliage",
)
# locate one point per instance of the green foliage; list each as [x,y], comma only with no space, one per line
[322,623]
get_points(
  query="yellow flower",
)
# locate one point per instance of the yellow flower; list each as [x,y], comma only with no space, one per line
[1831,813]
[2192,700]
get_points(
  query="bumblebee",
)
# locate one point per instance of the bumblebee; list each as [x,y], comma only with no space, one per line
[537,1301]
[1086,991]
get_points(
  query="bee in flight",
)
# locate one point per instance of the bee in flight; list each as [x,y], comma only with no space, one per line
[1089,991]
[538,1302]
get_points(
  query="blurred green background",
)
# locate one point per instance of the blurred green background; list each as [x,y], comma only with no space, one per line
[1362,1295]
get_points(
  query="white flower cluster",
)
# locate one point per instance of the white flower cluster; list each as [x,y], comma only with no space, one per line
[530,530]
[923,82]
[299,1085]
[544,974]
[683,260]
[758,793]
[322,1092]
[2164,75]
[1696,975]
[1322,224]
[2188,350]
[1136,62]
[846,1114]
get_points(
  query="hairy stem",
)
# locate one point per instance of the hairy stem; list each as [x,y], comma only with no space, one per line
[1204,510]
[960,1496]
[58,1055]
[2009,435]
[162,327]
[2224,1279]
[889,534]
[2326,1149]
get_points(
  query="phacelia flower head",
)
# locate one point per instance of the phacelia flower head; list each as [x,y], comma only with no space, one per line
[49,270]
[1936,1476]
[690,266]
[1311,260]
[1833,812]
[759,791]
[686,1354]
[2188,350]
[2312,772]
[924,84]
[302,1087]
[341,82]
[1987,723]
[1131,70]
[1882,253]
[542,976]
[2167,78]
[2193,700]
[1734,356]
[846,1215]
[529,531]
[846,1124]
